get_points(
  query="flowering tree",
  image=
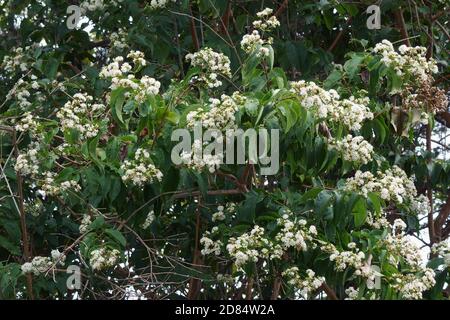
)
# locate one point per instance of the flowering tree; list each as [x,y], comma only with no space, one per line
[359,208]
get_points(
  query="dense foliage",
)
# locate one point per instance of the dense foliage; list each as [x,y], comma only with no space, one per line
[360,205]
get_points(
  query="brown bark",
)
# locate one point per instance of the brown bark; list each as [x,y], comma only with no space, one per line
[400,21]
[23,223]
[331,295]
[282,8]
[195,284]
[276,288]
[431,230]
[194,30]
[441,219]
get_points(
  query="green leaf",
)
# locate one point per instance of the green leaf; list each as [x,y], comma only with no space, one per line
[8,245]
[333,79]
[353,65]
[323,201]
[271,57]
[375,201]
[360,212]
[116,102]
[288,110]
[98,223]
[117,236]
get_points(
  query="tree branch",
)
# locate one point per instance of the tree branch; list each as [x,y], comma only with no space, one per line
[23,223]
[331,295]
[339,35]
[282,8]
[400,21]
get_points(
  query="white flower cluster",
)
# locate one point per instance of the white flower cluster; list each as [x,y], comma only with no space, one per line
[252,246]
[223,212]
[77,115]
[354,149]
[326,104]
[118,72]
[27,163]
[307,284]
[442,249]
[138,58]
[352,112]
[94,5]
[85,222]
[210,246]
[158,4]
[119,40]
[353,258]
[420,205]
[51,188]
[198,161]
[219,215]
[315,98]
[140,170]
[409,60]
[412,286]
[266,22]
[247,247]
[16,59]
[220,115]
[21,92]
[392,185]
[58,256]
[103,258]
[254,41]
[148,220]
[377,222]
[27,123]
[352,293]
[212,64]
[401,248]
[293,234]
[42,264]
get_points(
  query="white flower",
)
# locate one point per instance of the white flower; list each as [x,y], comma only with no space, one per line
[28,163]
[58,257]
[409,60]
[103,258]
[77,115]
[149,220]
[266,22]
[351,293]
[307,284]
[85,222]
[140,170]
[211,63]
[326,104]
[158,4]
[392,185]
[37,266]
[354,149]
